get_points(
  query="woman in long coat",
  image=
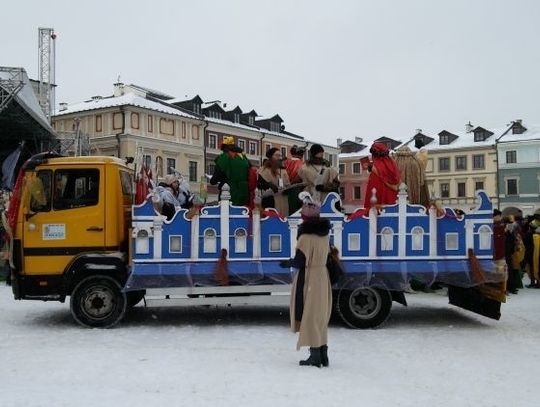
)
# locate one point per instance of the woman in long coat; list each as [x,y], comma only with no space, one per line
[311,294]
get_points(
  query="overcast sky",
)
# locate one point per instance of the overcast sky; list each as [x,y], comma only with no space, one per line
[329,68]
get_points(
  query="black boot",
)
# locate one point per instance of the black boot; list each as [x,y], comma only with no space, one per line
[324,356]
[314,358]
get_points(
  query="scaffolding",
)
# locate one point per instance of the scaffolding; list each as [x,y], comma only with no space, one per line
[11,82]
[46,55]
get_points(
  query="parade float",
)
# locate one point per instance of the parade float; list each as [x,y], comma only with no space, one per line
[107,254]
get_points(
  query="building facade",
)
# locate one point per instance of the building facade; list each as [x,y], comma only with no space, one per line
[135,120]
[518,151]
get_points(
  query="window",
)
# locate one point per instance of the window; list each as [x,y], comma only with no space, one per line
[478,162]
[150,124]
[511,186]
[171,164]
[354,241]
[193,171]
[283,152]
[461,162]
[39,187]
[444,164]
[175,243]
[118,121]
[242,144]
[142,244]
[274,126]
[267,147]
[240,241]
[196,108]
[387,239]
[195,132]
[444,139]
[214,114]
[166,126]
[184,130]
[357,191]
[211,168]
[356,168]
[417,234]
[484,233]
[461,189]
[251,120]
[237,117]
[479,136]
[212,141]
[275,243]
[99,127]
[445,190]
[252,148]
[126,180]
[341,169]
[511,157]
[147,161]
[452,241]
[135,120]
[76,188]
[478,185]
[210,241]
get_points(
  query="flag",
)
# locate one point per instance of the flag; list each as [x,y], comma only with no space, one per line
[8,168]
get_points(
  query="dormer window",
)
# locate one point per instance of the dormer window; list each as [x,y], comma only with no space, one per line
[196,108]
[517,127]
[481,134]
[237,117]
[275,127]
[444,139]
[213,114]
[251,120]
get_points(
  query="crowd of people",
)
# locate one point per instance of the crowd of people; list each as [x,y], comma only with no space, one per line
[517,248]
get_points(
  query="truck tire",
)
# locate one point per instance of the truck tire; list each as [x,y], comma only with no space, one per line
[364,307]
[98,302]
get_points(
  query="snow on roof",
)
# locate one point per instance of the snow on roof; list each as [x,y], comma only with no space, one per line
[230,124]
[26,98]
[464,140]
[532,133]
[358,154]
[128,99]
[153,92]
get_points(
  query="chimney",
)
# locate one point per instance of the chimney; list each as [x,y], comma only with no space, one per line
[118,89]
[96,98]
[63,106]
[339,141]
[469,127]
[418,131]
[358,139]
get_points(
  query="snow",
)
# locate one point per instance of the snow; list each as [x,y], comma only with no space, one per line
[532,133]
[429,354]
[128,99]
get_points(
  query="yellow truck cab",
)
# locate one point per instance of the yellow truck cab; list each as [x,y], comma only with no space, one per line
[72,235]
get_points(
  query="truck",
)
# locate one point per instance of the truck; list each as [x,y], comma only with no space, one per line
[74,232]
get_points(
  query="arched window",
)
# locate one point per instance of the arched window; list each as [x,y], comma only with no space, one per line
[210,241]
[240,241]
[142,244]
[417,234]
[484,233]
[387,239]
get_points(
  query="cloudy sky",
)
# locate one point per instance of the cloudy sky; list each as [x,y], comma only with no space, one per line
[329,68]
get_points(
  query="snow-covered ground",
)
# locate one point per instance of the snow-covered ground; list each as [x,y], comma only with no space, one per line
[429,354]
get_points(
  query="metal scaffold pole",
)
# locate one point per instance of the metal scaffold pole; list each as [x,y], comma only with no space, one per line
[46,49]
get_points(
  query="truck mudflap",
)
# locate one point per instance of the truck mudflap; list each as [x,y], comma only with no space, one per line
[484,299]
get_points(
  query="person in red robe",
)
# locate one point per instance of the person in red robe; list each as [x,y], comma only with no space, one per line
[384,177]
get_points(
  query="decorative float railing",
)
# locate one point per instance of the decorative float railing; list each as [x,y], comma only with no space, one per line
[203,256]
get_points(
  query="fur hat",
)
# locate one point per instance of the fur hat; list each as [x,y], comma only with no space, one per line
[316,149]
[271,152]
[229,140]
[170,179]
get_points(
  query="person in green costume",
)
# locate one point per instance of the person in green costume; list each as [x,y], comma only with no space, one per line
[232,168]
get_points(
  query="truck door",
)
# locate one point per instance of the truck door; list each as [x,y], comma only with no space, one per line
[65,216]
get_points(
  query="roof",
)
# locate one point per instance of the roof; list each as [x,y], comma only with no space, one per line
[275,117]
[363,153]
[128,99]
[231,124]
[463,140]
[92,159]
[152,92]
[532,133]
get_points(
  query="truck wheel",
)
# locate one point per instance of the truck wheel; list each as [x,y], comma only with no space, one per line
[98,302]
[364,307]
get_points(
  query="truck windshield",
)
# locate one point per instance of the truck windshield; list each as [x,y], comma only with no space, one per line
[39,188]
[76,188]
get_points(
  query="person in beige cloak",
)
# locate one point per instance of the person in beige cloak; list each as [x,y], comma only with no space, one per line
[311,293]
[272,181]
[412,173]
[319,176]
[422,157]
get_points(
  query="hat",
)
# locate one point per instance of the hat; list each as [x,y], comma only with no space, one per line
[310,211]
[170,179]
[379,149]
[316,149]
[271,152]
[496,212]
[297,151]
[229,140]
